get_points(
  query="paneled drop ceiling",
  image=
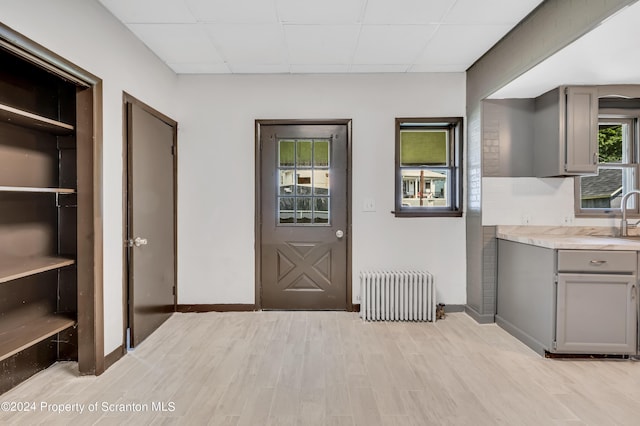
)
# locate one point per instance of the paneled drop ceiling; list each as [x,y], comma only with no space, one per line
[319,36]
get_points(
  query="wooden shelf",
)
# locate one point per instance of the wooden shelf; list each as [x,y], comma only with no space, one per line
[23,118]
[12,268]
[36,189]
[30,332]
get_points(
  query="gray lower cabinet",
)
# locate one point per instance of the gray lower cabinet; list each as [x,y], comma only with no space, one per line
[568,301]
[596,314]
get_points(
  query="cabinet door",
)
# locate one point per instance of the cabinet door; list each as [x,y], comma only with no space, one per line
[581,130]
[596,314]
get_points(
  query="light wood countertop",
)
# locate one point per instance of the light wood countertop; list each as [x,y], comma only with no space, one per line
[571,238]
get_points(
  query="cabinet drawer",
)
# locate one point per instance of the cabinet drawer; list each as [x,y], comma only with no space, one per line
[597,261]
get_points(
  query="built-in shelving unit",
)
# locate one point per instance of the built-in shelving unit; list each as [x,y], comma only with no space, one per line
[12,268]
[24,118]
[35,189]
[38,219]
[32,331]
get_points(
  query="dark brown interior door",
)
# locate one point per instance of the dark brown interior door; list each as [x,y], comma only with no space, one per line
[304,216]
[151,226]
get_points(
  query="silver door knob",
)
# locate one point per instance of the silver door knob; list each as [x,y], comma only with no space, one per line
[137,242]
[339,233]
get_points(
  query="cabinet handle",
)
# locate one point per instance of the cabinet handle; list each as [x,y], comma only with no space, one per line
[595,158]
[597,262]
[633,292]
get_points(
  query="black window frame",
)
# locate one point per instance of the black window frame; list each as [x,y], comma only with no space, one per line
[454,126]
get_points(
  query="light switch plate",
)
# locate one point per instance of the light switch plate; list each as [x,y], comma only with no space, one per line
[369,205]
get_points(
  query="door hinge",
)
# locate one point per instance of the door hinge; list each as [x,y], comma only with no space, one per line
[554,345]
[173,150]
[555,279]
[174,290]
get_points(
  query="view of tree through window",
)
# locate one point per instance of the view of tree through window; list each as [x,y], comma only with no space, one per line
[616,168]
[610,143]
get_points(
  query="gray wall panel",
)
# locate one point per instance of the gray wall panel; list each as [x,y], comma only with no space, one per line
[507,137]
[474,263]
[489,269]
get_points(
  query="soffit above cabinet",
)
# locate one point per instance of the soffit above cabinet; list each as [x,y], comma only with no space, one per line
[330,36]
[609,54]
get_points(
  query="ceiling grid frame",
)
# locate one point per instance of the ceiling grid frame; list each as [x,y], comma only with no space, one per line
[406,32]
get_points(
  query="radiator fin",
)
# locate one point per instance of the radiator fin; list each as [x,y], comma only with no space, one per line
[397,296]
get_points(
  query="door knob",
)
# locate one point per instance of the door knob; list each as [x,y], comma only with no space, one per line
[137,242]
[339,233]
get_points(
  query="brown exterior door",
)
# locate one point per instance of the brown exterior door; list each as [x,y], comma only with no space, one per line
[151,221]
[304,216]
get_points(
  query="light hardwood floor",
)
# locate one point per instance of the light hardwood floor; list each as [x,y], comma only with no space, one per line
[330,368]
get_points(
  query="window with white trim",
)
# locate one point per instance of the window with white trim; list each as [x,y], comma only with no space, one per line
[601,194]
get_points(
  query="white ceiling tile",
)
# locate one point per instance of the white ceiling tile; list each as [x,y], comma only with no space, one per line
[490,11]
[319,69]
[406,11]
[199,68]
[358,68]
[450,45]
[320,11]
[178,43]
[438,68]
[321,44]
[273,36]
[234,11]
[249,43]
[391,44]
[150,11]
[259,68]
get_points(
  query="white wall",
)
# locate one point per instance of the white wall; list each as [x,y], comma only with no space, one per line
[216,175]
[532,201]
[84,33]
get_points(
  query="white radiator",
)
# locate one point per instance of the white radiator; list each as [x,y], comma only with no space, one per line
[397,296]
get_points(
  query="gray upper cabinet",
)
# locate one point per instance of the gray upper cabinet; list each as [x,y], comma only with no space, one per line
[566,132]
[582,130]
[555,134]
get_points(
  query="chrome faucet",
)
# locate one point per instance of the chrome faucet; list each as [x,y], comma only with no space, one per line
[623,223]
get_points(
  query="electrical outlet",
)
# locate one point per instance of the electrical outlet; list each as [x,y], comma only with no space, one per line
[567,220]
[526,219]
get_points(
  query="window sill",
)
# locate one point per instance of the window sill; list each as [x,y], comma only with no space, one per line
[608,215]
[437,213]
